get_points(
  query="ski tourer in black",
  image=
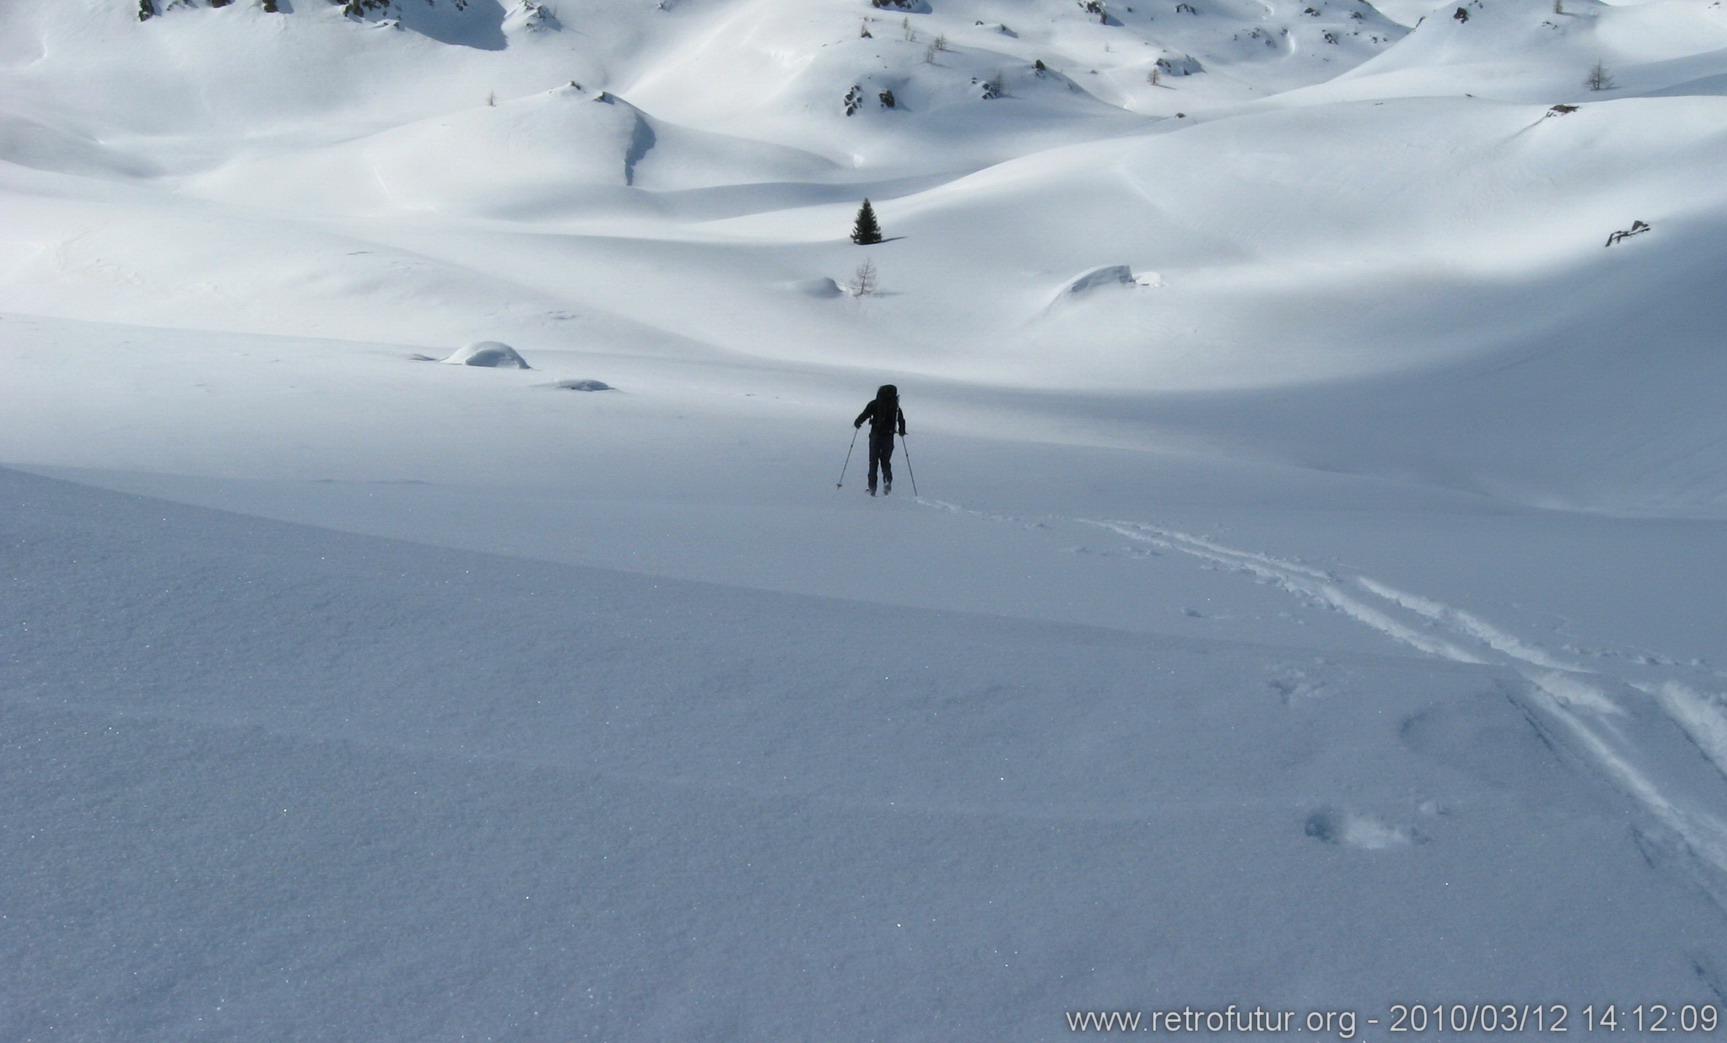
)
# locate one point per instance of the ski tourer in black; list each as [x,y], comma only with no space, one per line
[884,416]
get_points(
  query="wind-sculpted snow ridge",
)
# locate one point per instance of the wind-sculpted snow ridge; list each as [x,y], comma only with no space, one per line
[1534,50]
[1634,735]
[791,71]
[557,151]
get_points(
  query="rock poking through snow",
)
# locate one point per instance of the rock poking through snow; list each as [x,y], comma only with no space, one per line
[490,353]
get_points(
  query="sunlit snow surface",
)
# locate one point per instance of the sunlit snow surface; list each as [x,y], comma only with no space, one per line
[1300,585]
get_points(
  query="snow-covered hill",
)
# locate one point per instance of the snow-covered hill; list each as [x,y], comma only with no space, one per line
[1310,598]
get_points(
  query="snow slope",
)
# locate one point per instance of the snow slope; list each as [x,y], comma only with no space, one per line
[1302,589]
[264,777]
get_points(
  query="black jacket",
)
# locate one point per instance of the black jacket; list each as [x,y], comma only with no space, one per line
[879,426]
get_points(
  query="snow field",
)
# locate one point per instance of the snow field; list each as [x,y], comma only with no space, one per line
[415,792]
[1312,601]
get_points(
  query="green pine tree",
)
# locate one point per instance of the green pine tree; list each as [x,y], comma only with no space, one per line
[866,231]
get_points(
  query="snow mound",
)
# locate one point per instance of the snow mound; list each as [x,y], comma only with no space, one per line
[1102,281]
[490,353]
[1100,278]
[821,288]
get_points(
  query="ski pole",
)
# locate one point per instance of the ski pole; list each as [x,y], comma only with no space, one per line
[908,470]
[848,462]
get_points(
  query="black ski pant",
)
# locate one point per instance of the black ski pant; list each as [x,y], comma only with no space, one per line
[880,455]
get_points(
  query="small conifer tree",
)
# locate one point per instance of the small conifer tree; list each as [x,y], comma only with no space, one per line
[866,232]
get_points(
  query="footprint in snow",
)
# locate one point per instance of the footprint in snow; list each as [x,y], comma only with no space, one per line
[1359,831]
[1294,684]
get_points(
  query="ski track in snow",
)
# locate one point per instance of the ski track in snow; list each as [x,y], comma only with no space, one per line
[1641,737]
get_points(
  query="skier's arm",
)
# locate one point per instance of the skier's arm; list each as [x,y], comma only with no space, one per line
[901,413]
[864,415]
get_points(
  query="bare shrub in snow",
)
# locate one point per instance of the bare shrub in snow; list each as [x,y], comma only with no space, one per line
[863,281]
